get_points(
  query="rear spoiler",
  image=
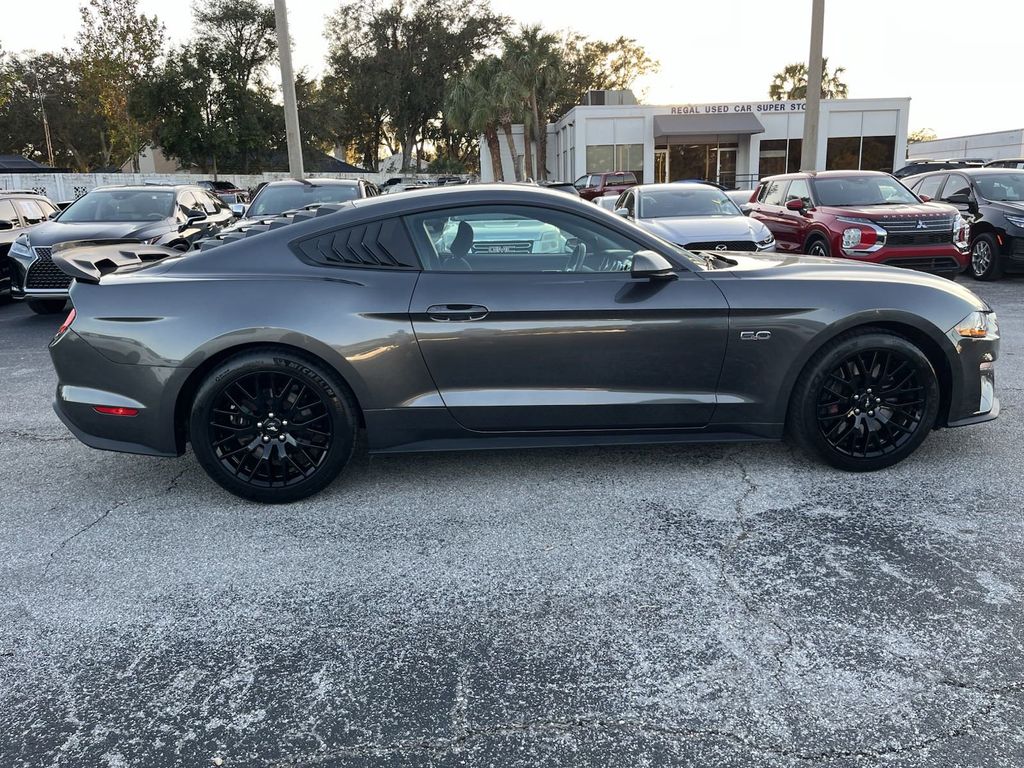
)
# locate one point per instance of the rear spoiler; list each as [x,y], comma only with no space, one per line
[89,260]
[267,223]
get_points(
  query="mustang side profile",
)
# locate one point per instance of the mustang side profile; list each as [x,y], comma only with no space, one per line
[501,317]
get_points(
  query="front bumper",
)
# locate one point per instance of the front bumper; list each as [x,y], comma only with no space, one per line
[973,393]
[87,379]
[945,258]
[19,266]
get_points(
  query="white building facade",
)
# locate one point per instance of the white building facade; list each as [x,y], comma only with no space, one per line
[733,143]
[998,145]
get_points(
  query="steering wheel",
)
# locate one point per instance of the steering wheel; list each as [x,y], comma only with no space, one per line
[579,254]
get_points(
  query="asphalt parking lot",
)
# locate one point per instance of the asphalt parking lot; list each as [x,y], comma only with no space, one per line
[713,606]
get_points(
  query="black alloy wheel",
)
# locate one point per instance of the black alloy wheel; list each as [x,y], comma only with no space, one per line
[866,401]
[272,427]
[818,247]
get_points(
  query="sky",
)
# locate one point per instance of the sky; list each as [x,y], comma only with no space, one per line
[959,67]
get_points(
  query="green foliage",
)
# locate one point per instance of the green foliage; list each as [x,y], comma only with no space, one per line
[791,82]
[921,134]
[119,49]
[588,65]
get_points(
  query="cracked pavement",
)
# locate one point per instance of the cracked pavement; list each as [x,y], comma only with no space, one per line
[707,605]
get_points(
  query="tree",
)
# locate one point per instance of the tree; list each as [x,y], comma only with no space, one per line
[921,134]
[791,82]
[472,105]
[407,52]
[120,48]
[532,60]
[588,65]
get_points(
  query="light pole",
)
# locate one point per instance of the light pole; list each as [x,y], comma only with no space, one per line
[46,123]
[291,109]
[812,111]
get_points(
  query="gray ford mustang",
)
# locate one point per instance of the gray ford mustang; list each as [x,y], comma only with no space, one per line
[501,317]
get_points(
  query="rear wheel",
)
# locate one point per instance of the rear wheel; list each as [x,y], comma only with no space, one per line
[46,306]
[272,426]
[985,264]
[866,401]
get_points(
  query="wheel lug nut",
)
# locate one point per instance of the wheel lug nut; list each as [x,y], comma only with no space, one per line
[266,439]
[285,423]
[856,410]
[270,415]
[282,437]
[259,424]
[871,413]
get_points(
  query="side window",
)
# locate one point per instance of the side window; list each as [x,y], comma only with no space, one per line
[629,178]
[930,185]
[377,244]
[773,194]
[7,213]
[798,190]
[513,238]
[582,182]
[630,203]
[956,185]
[30,211]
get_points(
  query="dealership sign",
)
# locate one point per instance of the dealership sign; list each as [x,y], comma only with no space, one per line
[750,106]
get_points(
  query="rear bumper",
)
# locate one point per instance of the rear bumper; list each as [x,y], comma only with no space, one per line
[87,379]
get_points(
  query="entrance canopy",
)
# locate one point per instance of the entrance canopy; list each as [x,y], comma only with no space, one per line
[672,126]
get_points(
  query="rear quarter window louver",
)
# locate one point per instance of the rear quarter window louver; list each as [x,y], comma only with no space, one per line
[374,244]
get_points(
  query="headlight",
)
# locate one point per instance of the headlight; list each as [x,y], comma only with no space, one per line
[851,237]
[978,325]
[768,242]
[20,247]
[153,239]
[864,237]
[1017,221]
[961,232]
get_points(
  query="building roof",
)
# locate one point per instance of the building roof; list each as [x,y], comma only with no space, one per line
[19,164]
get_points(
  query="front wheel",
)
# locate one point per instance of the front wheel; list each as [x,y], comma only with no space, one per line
[46,306]
[985,264]
[818,246]
[271,426]
[866,401]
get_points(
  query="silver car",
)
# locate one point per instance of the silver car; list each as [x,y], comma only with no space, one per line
[695,216]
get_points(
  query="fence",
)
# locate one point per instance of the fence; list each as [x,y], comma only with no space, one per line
[60,187]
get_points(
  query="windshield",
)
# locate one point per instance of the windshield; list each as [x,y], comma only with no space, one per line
[668,203]
[1002,187]
[862,190]
[121,205]
[271,201]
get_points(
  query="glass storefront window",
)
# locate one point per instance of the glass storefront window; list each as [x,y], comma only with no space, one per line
[878,153]
[604,158]
[779,156]
[843,153]
[601,158]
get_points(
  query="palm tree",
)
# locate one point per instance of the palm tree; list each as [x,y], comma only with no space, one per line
[791,82]
[472,105]
[532,61]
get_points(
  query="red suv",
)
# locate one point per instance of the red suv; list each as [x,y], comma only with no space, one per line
[861,215]
[600,184]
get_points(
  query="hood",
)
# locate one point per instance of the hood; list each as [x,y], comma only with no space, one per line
[1012,207]
[54,232]
[691,229]
[744,266]
[881,213]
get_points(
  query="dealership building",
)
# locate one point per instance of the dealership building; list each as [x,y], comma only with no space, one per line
[733,143]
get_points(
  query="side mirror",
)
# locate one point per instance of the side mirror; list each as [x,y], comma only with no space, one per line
[925,198]
[959,199]
[795,205]
[623,212]
[6,224]
[651,265]
[745,209]
[239,209]
[193,216]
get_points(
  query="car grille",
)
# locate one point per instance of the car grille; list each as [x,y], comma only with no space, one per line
[924,238]
[44,274]
[717,245]
[503,246]
[926,264]
[918,225]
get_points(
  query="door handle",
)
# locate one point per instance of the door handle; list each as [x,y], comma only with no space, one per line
[456,313]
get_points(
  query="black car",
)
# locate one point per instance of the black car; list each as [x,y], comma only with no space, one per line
[1008,162]
[230,193]
[992,202]
[500,316]
[276,197]
[169,215]
[19,211]
[921,166]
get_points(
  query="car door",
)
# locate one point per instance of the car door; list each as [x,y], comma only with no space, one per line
[768,210]
[529,319]
[793,226]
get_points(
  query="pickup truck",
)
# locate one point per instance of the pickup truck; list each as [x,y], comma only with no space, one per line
[595,185]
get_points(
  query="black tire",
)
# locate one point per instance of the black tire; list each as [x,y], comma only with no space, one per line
[865,401]
[271,426]
[817,246]
[985,261]
[46,306]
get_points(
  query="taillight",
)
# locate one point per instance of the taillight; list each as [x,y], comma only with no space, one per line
[67,322]
[115,410]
